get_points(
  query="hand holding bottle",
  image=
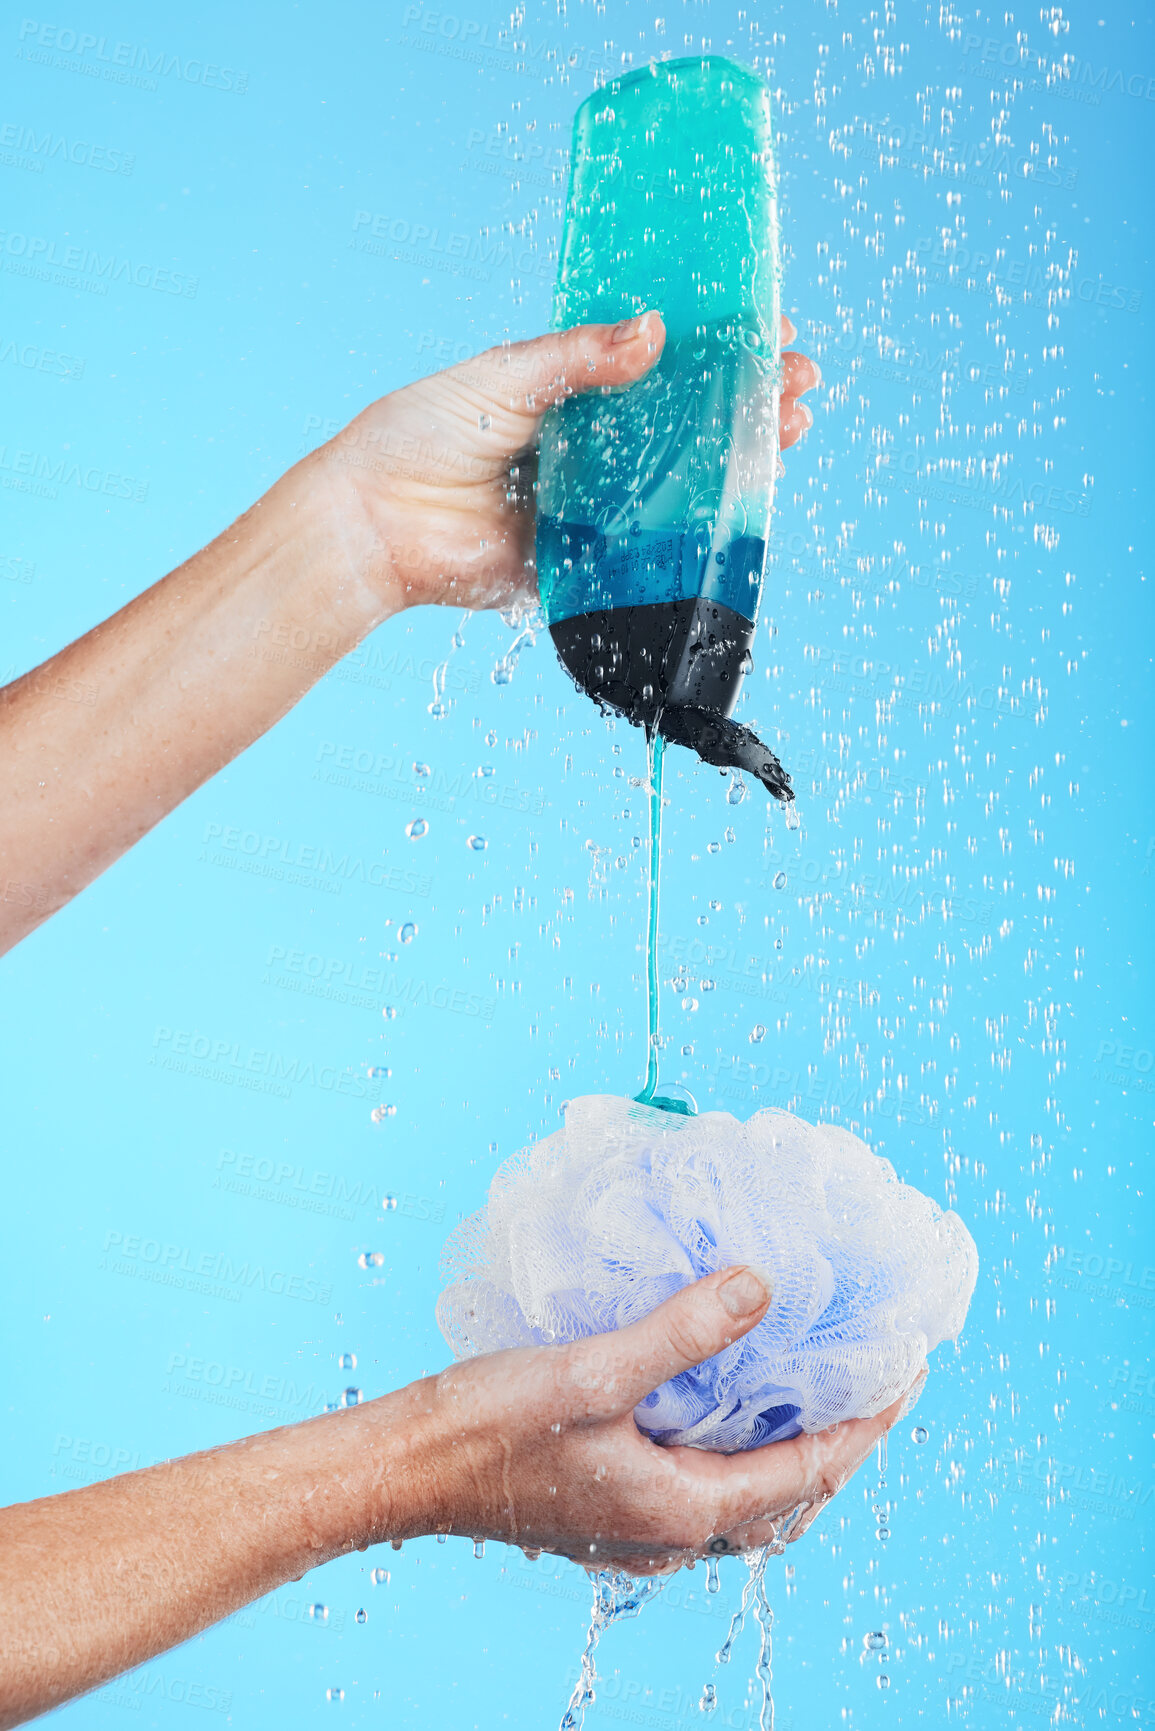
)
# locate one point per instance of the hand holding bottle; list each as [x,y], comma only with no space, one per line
[431,487]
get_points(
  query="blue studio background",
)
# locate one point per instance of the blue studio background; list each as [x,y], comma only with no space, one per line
[317,205]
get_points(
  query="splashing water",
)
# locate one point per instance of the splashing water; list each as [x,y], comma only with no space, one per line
[754,1593]
[764,1616]
[527,622]
[616,1595]
[440,706]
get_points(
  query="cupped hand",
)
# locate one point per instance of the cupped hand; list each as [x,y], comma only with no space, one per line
[432,485]
[538,1446]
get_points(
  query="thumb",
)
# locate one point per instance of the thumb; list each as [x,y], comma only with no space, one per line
[566,362]
[701,1320]
[519,381]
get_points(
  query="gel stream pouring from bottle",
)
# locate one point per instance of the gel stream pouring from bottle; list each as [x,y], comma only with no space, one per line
[654,501]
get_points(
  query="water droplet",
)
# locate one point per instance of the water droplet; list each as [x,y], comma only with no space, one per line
[730,836]
[351,1397]
[390,1012]
[484,422]
[362,1616]
[793,816]
[416,828]
[883,1680]
[380,1577]
[736,792]
[347,1361]
[478,843]
[319,1613]
[709,1699]
[380,1113]
[882,1534]
[485,770]
[438,710]
[687,1051]
[713,1578]
[706,985]
[757,1034]
[501,674]
[689,1003]
[479,1548]
[713,847]
[780,880]
[491,738]
[408,932]
[334,1694]
[874,1640]
[441,1538]
[919,1434]
[371,1259]
[377,1071]
[421,770]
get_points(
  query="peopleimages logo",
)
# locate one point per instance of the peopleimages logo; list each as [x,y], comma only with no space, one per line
[235,1385]
[1039,281]
[981,486]
[33,471]
[41,147]
[132,63]
[178,1265]
[1125,1066]
[48,260]
[459,253]
[482,43]
[40,360]
[217,1060]
[309,864]
[1069,78]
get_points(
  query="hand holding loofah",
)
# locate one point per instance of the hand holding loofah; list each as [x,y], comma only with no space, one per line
[594,1227]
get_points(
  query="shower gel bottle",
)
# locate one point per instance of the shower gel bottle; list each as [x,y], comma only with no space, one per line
[654,501]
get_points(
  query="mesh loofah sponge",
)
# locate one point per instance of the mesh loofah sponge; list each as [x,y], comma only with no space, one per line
[596,1225]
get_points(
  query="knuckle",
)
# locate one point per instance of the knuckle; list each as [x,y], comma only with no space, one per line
[690,1336]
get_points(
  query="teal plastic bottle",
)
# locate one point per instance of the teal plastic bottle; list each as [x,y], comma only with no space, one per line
[654,502]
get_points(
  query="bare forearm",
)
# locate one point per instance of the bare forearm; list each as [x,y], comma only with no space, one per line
[101,1579]
[109,736]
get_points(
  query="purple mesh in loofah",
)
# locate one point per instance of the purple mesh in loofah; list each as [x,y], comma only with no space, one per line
[593,1227]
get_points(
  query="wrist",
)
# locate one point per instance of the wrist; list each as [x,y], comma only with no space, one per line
[368,1474]
[330,569]
[350,529]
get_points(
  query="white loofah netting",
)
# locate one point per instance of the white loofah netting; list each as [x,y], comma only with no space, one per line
[596,1225]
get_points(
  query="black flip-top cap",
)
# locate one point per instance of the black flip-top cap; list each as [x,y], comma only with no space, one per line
[675,668]
[726,744]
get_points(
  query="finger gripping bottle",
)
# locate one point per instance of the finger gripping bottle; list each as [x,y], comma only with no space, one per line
[654,500]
